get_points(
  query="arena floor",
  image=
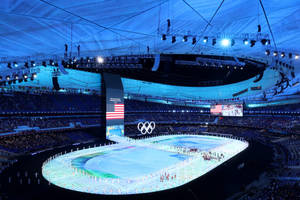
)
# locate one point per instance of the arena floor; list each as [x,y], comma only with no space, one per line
[140,166]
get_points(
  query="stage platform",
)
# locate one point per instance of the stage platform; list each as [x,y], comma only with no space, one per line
[134,166]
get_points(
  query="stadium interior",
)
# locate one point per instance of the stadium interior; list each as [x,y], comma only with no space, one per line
[157,77]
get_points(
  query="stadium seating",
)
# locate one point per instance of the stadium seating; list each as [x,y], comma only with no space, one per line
[23,102]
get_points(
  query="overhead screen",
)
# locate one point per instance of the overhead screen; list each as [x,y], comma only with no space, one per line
[234,110]
[114,105]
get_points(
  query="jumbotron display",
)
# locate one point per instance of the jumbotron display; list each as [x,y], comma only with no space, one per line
[234,110]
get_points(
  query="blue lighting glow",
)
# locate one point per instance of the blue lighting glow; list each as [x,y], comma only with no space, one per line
[98,170]
[225,42]
[246,42]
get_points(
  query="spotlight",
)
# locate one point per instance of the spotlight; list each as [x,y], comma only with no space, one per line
[252,42]
[232,42]
[275,53]
[185,38]
[296,57]
[282,54]
[264,42]
[194,40]
[100,60]
[15,64]
[246,41]
[51,63]
[267,52]
[25,76]
[173,39]
[34,75]
[163,37]
[32,64]
[8,78]
[205,39]
[214,41]
[225,42]
[16,77]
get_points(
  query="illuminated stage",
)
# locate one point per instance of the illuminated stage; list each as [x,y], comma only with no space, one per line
[140,166]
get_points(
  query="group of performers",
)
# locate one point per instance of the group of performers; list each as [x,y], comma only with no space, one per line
[186,150]
[167,177]
[210,156]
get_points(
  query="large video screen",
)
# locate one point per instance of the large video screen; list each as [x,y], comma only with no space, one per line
[235,110]
[114,105]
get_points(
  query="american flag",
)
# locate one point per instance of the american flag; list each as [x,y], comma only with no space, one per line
[118,112]
[216,109]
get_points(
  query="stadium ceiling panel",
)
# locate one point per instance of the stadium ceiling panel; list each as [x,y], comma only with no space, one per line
[43,27]
[121,26]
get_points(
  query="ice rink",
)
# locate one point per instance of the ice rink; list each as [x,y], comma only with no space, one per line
[140,166]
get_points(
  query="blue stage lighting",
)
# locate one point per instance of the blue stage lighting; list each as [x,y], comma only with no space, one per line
[246,41]
[100,60]
[225,42]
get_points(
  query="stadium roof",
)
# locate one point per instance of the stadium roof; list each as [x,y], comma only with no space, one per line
[122,26]
[116,27]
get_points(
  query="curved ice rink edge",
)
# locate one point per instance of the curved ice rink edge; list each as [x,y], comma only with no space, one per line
[59,170]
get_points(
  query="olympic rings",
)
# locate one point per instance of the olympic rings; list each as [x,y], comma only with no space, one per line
[146,127]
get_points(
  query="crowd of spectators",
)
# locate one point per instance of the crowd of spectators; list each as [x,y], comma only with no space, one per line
[170,117]
[32,141]
[282,182]
[168,129]
[9,124]
[141,106]
[280,124]
[23,102]
[6,159]
[275,190]
[283,108]
[283,124]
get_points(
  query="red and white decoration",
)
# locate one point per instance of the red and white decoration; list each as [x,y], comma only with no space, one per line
[118,112]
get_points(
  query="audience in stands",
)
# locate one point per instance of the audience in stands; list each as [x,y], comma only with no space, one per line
[272,126]
[32,141]
[9,124]
[22,102]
